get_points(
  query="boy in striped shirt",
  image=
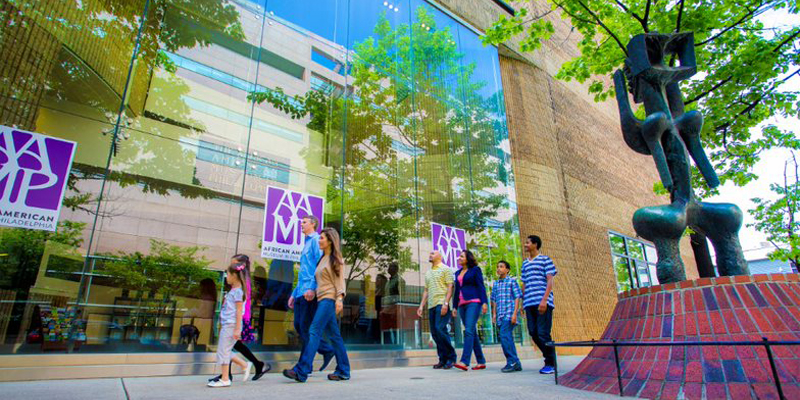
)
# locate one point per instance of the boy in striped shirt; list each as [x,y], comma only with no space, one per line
[538,272]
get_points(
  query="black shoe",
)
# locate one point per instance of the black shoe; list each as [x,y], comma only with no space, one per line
[438,366]
[265,367]
[517,367]
[216,378]
[326,359]
[337,377]
[447,366]
[507,368]
[289,373]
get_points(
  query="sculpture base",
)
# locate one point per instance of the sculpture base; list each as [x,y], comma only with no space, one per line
[736,308]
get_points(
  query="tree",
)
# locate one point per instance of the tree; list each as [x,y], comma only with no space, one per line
[168,271]
[744,66]
[779,219]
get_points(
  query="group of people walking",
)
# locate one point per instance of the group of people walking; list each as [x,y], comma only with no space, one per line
[466,290]
[318,299]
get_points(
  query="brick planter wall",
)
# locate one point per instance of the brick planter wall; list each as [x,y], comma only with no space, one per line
[741,308]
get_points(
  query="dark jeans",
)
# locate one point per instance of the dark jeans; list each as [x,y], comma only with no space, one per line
[324,322]
[304,311]
[469,317]
[539,327]
[438,323]
[507,341]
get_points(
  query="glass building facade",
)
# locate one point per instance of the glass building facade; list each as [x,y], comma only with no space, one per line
[184,112]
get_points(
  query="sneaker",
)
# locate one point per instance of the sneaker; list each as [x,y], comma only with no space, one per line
[214,379]
[247,370]
[326,359]
[547,370]
[289,373]
[512,368]
[438,366]
[337,377]
[219,383]
[447,366]
[265,367]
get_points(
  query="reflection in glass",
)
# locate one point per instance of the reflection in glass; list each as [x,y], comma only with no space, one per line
[394,114]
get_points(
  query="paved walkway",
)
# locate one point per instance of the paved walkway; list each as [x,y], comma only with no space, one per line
[372,384]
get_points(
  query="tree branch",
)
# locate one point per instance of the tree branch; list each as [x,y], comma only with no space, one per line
[787,40]
[646,16]
[600,22]
[680,17]
[633,14]
[750,13]
[753,104]
[707,92]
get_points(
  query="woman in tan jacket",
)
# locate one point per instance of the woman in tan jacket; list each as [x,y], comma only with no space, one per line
[330,302]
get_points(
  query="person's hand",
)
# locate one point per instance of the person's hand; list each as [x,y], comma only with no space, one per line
[419,311]
[494,319]
[485,308]
[542,307]
[444,309]
[291,302]
[309,295]
[514,319]
[339,306]
[455,313]
[238,334]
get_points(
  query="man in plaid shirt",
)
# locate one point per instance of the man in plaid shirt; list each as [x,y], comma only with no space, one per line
[506,303]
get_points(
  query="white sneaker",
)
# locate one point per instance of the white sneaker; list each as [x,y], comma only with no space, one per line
[219,383]
[246,372]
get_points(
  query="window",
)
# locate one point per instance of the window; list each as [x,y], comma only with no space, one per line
[634,262]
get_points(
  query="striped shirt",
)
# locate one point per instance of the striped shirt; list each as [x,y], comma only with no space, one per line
[534,277]
[437,280]
[505,293]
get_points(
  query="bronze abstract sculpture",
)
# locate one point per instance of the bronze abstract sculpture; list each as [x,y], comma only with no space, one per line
[671,135]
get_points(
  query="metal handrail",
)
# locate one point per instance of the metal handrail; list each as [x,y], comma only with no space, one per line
[617,344]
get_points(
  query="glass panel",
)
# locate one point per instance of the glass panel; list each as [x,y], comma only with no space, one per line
[650,254]
[63,75]
[635,249]
[643,273]
[617,243]
[173,198]
[623,272]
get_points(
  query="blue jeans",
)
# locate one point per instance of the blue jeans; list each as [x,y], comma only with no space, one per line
[469,317]
[438,325]
[324,322]
[304,311]
[507,341]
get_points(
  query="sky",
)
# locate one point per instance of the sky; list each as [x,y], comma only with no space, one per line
[770,168]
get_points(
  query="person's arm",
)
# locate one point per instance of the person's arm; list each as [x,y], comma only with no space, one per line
[543,303]
[422,303]
[482,291]
[340,290]
[447,298]
[237,330]
[516,293]
[494,311]
[316,254]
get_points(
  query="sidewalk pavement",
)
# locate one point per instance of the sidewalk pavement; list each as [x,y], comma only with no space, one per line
[371,384]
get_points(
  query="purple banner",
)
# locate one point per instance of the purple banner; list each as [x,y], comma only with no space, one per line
[283,236]
[450,242]
[34,169]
